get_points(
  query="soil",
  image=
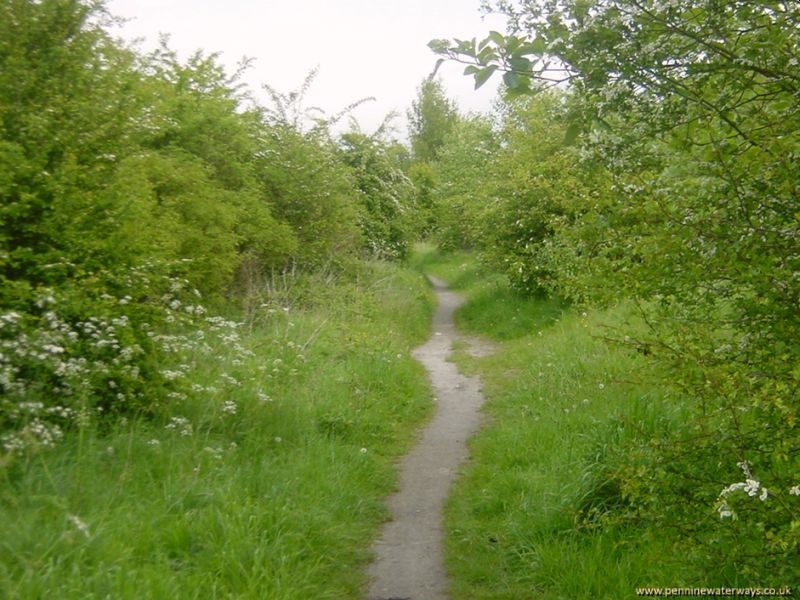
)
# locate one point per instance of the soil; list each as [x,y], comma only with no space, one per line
[409,562]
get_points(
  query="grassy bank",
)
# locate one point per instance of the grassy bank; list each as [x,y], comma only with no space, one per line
[266,482]
[528,517]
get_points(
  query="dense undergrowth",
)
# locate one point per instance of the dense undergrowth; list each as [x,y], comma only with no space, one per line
[546,506]
[265,481]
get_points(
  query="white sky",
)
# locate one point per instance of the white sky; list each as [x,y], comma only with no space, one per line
[362,47]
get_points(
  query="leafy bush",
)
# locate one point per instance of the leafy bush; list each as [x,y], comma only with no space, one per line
[386,195]
[132,186]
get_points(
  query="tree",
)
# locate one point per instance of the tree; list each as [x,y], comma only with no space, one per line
[466,185]
[431,117]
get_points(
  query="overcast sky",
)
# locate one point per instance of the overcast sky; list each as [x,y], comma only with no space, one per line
[362,47]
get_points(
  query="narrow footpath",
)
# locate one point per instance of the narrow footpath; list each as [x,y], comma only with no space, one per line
[409,562]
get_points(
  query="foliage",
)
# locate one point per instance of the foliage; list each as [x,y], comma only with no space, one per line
[78,311]
[134,188]
[431,117]
[311,190]
[689,107]
[424,177]
[386,194]
[464,194]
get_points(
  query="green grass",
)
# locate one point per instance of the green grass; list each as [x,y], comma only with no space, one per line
[523,519]
[279,500]
[494,310]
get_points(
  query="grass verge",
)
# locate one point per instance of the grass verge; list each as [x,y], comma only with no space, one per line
[266,482]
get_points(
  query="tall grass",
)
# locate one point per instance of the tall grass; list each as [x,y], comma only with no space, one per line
[267,482]
[528,516]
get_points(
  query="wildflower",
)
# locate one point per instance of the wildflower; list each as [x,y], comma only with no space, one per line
[602,386]
[278,439]
[745,467]
[154,443]
[725,512]
[229,379]
[229,407]
[215,453]
[751,487]
[180,423]
[363,451]
[79,524]
[795,490]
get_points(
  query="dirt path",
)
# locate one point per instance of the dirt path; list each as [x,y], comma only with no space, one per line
[409,558]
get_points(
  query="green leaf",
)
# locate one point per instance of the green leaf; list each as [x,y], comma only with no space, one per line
[572,133]
[495,37]
[522,65]
[471,70]
[535,47]
[439,46]
[486,55]
[467,47]
[483,75]
[510,79]
[513,44]
[522,86]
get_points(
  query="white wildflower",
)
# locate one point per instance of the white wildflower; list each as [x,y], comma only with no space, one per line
[725,512]
[215,453]
[751,487]
[79,524]
[180,423]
